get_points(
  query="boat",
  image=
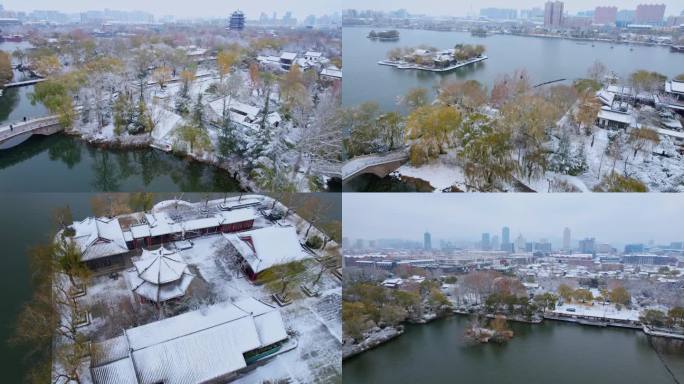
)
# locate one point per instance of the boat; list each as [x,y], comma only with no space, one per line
[677,48]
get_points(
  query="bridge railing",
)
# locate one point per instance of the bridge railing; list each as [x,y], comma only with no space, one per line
[360,163]
[23,127]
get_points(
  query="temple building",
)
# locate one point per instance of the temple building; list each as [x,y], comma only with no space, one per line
[265,247]
[209,345]
[159,276]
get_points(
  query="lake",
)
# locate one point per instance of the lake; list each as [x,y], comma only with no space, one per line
[544,59]
[552,352]
[61,163]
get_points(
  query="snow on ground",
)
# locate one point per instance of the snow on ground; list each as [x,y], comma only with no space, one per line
[440,174]
[317,321]
[598,310]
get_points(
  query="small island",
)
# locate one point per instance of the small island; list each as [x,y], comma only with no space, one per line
[390,35]
[431,59]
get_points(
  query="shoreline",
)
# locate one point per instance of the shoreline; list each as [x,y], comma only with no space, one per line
[588,39]
[145,143]
[369,344]
[407,65]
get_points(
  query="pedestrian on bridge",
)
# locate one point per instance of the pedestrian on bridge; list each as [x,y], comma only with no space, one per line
[11,128]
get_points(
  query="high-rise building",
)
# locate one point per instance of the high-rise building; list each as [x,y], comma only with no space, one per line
[520,244]
[505,236]
[495,242]
[566,239]
[427,241]
[650,14]
[485,245]
[553,14]
[625,17]
[605,15]
[587,245]
[237,21]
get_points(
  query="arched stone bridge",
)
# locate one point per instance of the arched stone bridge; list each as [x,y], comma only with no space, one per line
[39,126]
[380,165]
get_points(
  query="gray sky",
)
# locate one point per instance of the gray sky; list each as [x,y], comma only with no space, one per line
[463,7]
[185,8]
[611,218]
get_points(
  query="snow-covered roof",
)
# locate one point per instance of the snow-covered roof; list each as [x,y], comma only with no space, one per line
[193,347]
[608,114]
[674,86]
[288,55]
[265,247]
[99,237]
[164,225]
[331,72]
[605,97]
[159,275]
[160,266]
[619,90]
[167,121]
[313,54]
[671,133]
[238,110]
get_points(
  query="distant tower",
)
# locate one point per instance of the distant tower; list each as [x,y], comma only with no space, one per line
[566,239]
[486,246]
[427,241]
[505,239]
[237,21]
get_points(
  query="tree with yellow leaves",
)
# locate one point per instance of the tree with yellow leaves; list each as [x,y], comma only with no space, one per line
[431,130]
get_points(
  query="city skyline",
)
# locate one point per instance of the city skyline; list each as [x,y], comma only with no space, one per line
[608,218]
[185,10]
[464,8]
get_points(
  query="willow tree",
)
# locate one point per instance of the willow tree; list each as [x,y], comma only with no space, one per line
[6,73]
[528,118]
[469,94]
[485,152]
[57,94]
[431,131]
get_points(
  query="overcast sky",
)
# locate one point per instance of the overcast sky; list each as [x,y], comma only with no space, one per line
[611,218]
[185,8]
[463,7]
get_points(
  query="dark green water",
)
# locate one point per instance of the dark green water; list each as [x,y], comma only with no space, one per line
[552,352]
[544,60]
[60,163]
[25,222]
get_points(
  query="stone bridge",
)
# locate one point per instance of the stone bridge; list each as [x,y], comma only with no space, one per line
[39,126]
[329,169]
[380,165]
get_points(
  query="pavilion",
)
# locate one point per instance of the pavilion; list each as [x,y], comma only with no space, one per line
[159,276]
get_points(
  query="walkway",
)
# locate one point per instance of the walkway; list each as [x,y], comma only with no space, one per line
[24,83]
[363,164]
[29,126]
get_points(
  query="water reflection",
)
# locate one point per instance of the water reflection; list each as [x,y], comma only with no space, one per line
[64,163]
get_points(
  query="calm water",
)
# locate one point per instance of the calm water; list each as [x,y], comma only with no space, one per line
[60,163]
[544,59]
[549,353]
[25,222]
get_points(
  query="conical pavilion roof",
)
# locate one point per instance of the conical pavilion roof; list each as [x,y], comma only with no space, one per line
[160,266]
